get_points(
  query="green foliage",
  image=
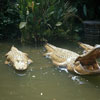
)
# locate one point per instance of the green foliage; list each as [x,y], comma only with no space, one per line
[22,25]
[38,20]
[88,9]
[9,18]
[85,10]
[46,20]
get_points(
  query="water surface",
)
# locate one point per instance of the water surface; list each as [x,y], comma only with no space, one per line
[42,80]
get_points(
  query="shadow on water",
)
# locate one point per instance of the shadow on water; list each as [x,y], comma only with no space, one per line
[20,73]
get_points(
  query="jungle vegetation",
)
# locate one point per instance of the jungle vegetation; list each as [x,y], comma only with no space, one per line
[42,20]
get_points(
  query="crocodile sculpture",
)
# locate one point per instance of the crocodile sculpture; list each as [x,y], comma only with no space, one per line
[84,64]
[17,59]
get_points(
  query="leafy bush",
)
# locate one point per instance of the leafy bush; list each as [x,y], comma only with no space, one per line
[46,19]
[88,9]
[9,19]
[39,20]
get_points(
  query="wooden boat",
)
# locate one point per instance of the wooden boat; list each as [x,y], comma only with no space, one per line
[84,64]
[17,59]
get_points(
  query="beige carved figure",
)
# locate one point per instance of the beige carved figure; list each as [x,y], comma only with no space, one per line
[80,64]
[17,59]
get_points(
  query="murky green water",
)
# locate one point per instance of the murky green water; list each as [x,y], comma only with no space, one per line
[43,81]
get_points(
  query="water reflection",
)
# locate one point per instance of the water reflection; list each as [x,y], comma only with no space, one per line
[20,73]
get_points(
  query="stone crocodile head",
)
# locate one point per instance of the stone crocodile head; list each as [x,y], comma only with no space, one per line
[18,59]
[87,63]
[21,64]
[80,64]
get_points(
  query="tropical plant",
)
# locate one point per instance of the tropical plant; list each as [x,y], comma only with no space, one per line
[88,9]
[9,19]
[45,19]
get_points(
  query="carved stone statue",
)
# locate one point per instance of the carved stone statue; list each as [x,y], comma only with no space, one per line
[17,59]
[81,64]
